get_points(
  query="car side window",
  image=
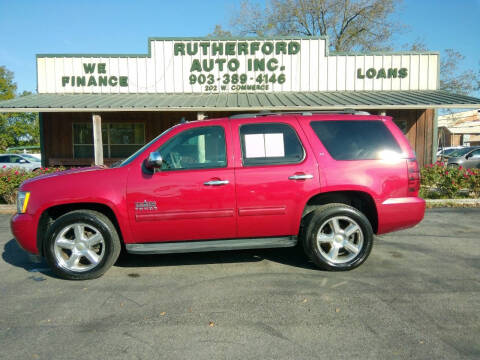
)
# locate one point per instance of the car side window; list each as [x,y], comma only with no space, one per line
[270,144]
[4,159]
[355,139]
[15,159]
[198,148]
[475,154]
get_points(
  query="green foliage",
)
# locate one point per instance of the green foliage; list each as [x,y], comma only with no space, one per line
[438,181]
[11,179]
[7,87]
[16,129]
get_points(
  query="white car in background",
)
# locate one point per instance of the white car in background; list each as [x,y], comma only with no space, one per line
[25,162]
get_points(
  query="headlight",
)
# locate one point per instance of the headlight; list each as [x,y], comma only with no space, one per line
[22,201]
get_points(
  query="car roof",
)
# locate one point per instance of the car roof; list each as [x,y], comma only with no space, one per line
[327,115]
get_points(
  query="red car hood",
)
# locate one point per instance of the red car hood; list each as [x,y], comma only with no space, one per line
[63,173]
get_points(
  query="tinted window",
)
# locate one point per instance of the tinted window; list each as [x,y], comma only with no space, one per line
[355,140]
[198,148]
[475,154]
[16,159]
[4,158]
[460,152]
[31,158]
[270,143]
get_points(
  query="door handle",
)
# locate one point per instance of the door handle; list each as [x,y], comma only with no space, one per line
[216,182]
[300,177]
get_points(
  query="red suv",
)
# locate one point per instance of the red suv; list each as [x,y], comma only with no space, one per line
[327,180]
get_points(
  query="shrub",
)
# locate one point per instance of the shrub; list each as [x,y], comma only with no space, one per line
[438,181]
[12,178]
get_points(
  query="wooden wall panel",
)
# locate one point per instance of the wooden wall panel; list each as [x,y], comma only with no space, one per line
[419,131]
[420,137]
[58,136]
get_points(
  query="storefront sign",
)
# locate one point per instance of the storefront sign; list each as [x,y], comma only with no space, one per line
[236,65]
[95,80]
[382,73]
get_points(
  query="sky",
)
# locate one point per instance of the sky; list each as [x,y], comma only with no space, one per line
[29,27]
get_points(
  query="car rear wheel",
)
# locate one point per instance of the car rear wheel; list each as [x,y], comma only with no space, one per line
[81,245]
[337,237]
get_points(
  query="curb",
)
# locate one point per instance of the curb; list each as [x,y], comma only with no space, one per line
[468,203]
[8,209]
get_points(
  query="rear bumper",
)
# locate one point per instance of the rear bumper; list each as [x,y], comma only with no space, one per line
[399,213]
[24,230]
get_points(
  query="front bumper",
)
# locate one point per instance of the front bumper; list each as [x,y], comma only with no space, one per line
[24,229]
[399,213]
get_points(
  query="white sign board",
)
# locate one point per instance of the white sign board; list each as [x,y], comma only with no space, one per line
[236,65]
[264,145]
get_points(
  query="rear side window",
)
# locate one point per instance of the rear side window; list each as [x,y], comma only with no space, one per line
[270,144]
[355,140]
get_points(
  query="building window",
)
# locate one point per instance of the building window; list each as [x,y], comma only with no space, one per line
[119,139]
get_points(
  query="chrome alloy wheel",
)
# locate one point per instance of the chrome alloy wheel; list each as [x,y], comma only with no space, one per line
[340,239]
[79,247]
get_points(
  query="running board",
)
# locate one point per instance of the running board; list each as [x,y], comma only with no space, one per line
[211,245]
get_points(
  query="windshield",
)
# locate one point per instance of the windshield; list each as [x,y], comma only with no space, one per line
[139,151]
[30,158]
[460,152]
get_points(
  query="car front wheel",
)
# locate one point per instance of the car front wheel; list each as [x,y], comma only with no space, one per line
[337,237]
[81,245]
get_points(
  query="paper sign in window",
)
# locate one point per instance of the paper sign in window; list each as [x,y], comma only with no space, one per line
[264,145]
[274,145]
[254,145]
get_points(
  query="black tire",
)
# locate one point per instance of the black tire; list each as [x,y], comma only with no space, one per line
[314,220]
[110,247]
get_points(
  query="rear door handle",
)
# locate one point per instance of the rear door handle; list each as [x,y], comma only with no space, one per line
[216,182]
[300,177]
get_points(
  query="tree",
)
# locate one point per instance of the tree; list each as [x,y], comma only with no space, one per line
[7,87]
[349,24]
[16,129]
[218,32]
[452,78]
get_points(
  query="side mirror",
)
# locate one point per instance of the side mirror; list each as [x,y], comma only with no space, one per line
[468,156]
[154,161]
[22,161]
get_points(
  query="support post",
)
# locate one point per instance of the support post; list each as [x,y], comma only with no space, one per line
[42,140]
[97,139]
[435,136]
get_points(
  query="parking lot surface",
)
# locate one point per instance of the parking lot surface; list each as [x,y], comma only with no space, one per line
[416,297]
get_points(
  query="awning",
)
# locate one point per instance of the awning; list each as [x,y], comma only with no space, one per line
[280,101]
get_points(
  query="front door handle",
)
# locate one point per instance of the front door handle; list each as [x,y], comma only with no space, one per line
[300,177]
[216,182]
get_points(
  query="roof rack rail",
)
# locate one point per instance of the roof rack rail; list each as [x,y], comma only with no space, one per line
[303,113]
